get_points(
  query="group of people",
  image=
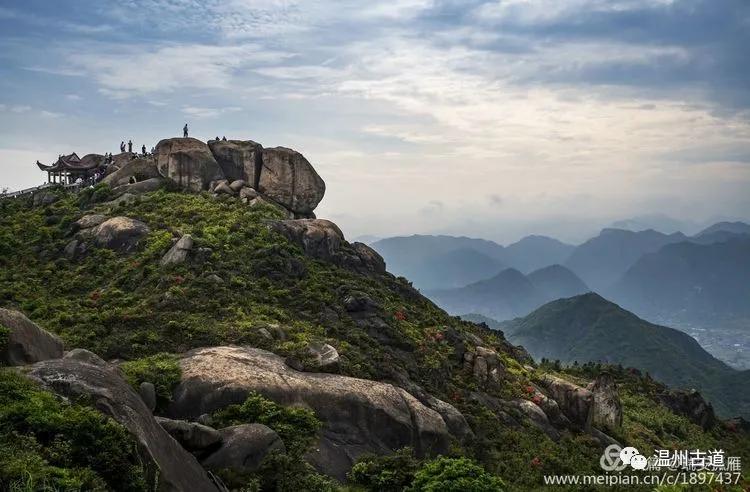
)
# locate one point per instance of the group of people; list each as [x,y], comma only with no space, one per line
[130,148]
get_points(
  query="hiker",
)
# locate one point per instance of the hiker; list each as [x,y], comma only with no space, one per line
[224,138]
[217,138]
[143,150]
[122,146]
[185,131]
[130,146]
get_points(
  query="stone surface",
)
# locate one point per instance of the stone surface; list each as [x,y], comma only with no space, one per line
[237,185]
[188,162]
[247,194]
[322,239]
[179,252]
[485,365]
[145,186]
[108,392]
[575,402]
[607,411]
[191,435]
[26,342]
[238,159]
[88,221]
[243,447]
[120,233]
[141,169]
[85,356]
[289,179]
[324,356]
[223,188]
[359,416]
[43,198]
[147,392]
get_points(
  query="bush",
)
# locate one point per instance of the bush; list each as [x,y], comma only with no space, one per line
[454,475]
[297,427]
[385,473]
[49,444]
[161,370]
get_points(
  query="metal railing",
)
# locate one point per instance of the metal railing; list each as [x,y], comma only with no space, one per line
[35,189]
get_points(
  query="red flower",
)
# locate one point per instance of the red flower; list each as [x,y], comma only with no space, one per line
[399,315]
[439,336]
[537,399]
[95,296]
[530,389]
[179,279]
[536,462]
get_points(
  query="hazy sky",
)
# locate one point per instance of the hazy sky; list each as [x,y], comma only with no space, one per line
[491,119]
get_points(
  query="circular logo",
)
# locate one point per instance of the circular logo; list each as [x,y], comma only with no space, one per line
[627,454]
[611,460]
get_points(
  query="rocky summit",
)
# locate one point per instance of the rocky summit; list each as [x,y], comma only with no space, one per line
[279,175]
[188,324]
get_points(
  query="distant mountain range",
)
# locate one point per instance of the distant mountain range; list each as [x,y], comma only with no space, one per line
[425,260]
[690,281]
[590,328]
[510,293]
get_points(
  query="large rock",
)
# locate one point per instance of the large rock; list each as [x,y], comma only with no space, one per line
[89,221]
[322,239]
[289,179]
[188,162]
[141,169]
[575,402]
[120,233]
[191,435]
[24,342]
[244,447]
[108,392]
[607,411]
[179,252]
[145,186]
[359,416]
[238,159]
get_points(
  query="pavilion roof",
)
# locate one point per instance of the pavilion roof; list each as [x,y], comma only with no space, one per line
[72,162]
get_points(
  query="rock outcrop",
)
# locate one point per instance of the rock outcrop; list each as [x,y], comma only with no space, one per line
[690,404]
[289,179]
[191,435]
[188,162]
[24,342]
[607,410]
[179,252]
[103,385]
[322,239]
[238,159]
[243,447]
[141,169]
[575,402]
[120,233]
[359,416]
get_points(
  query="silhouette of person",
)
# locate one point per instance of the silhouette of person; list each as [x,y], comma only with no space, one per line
[217,138]
[122,146]
[224,138]
[143,150]
[130,146]
[185,131]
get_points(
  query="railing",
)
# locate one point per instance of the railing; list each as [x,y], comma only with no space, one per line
[31,191]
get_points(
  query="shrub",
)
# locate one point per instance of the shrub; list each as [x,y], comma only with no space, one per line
[385,473]
[162,370]
[49,444]
[454,475]
[297,427]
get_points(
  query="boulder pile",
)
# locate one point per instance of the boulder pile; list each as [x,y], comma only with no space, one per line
[241,168]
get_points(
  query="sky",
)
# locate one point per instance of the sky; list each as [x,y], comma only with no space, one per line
[490,119]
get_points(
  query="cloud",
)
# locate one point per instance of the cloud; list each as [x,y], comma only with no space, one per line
[197,112]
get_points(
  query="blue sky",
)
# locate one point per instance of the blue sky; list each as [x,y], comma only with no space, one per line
[485,118]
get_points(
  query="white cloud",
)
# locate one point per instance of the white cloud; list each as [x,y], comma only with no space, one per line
[198,112]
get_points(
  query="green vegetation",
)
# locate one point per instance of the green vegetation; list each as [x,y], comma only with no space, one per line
[47,443]
[161,370]
[130,307]
[297,428]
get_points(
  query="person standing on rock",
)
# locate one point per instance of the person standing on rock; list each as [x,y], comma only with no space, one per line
[185,131]
[143,150]
[130,146]
[122,146]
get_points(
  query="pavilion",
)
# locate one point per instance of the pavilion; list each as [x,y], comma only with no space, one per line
[69,168]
